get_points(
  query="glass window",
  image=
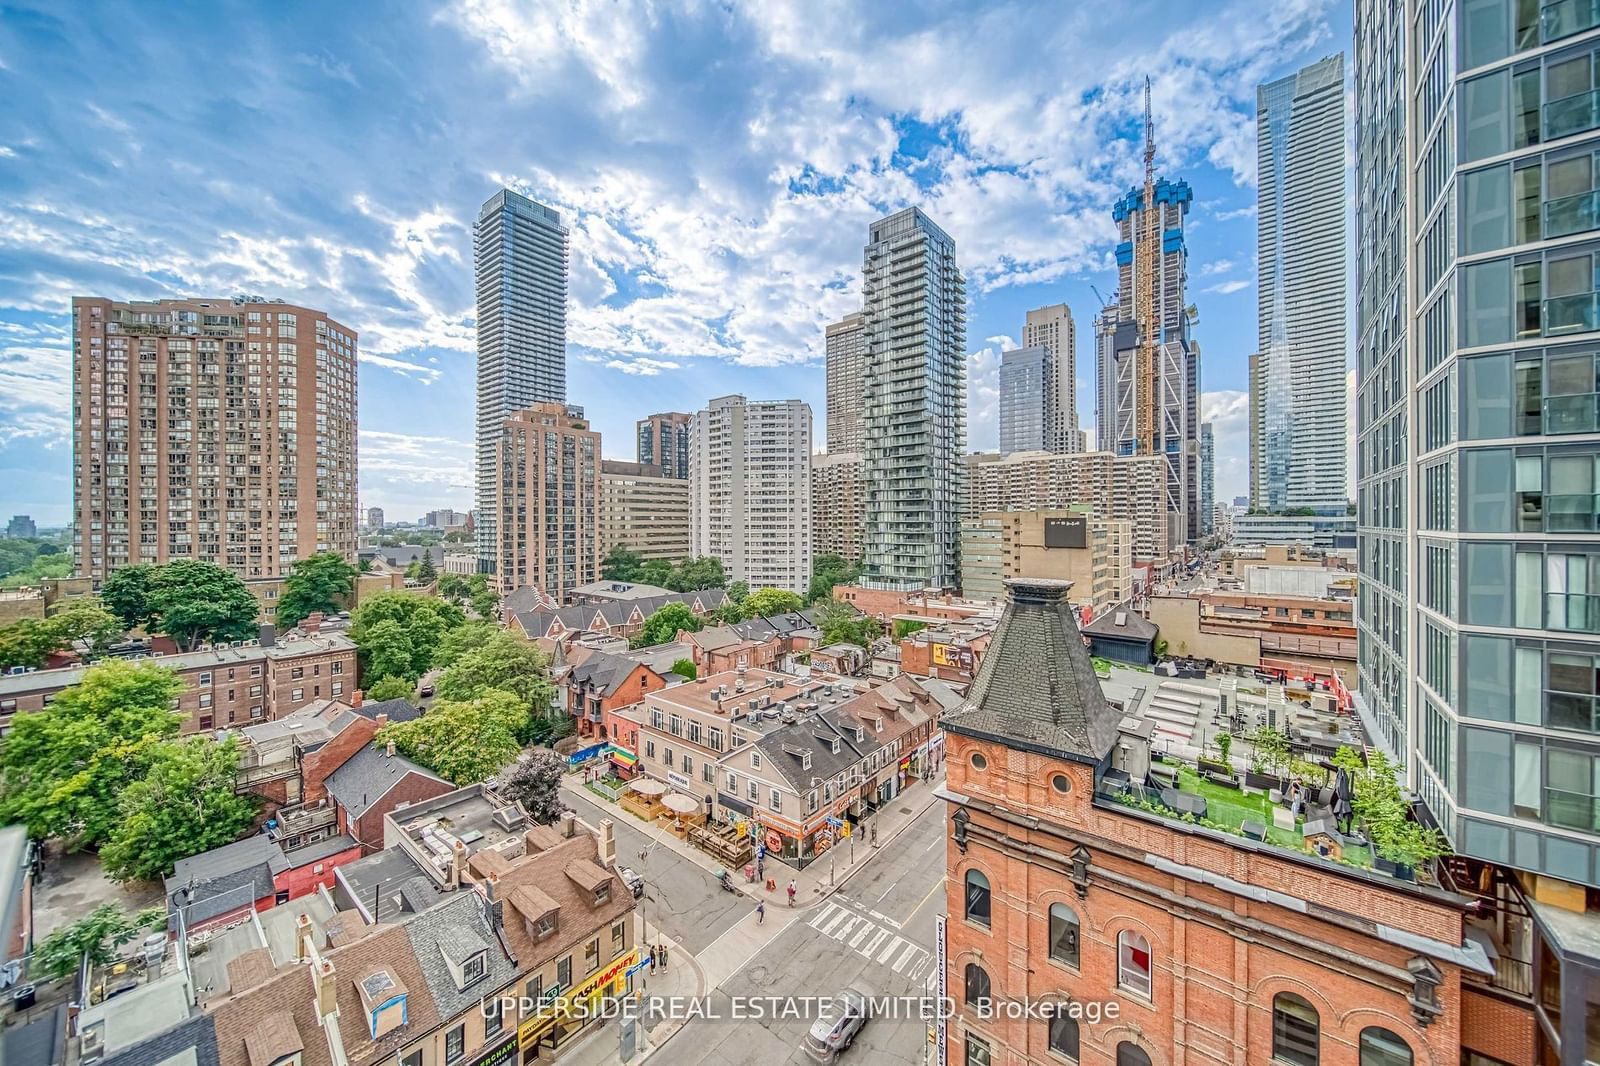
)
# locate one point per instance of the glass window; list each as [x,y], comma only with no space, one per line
[1530,308]
[1527,700]
[1064,1037]
[1488,677]
[1294,1030]
[1487,303]
[1380,1047]
[977,1051]
[1572,681]
[1131,1054]
[1133,963]
[1485,32]
[1063,934]
[1488,490]
[978,901]
[1485,116]
[1570,789]
[1528,380]
[977,989]
[1485,770]
[1486,397]
[1486,209]
[1525,128]
[1527,783]
[1526,221]
[1488,583]
[455,1043]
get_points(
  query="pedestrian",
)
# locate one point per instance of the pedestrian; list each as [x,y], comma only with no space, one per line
[761,911]
[661,952]
[1297,798]
[791,892]
[652,958]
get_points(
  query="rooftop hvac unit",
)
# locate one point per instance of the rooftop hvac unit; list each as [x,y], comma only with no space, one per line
[508,818]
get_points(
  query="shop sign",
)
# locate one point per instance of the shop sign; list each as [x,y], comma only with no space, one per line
[678,779]
[954,656]
[503,1052]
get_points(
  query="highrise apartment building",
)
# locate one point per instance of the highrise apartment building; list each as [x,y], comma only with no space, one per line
[838,504]
[1052,329]
[645,508]
[1478,453]
[547,533]
[663,442]
[374,518]
[1022,414]
[1208,479]
[1130,488]
[1297,383]
[1105,377]
[520,256]
[750,490]
[1170,398]
[914,318]
[218,430]
[847,373]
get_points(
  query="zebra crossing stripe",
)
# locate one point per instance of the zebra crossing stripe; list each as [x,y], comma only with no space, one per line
[866,927]
[845,927]
[828,918]
[910,953]
[889,950]
[872,946]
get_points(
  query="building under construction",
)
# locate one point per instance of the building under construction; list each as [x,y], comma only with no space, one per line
[1149,364]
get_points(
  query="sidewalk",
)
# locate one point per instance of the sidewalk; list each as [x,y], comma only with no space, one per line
[683,977]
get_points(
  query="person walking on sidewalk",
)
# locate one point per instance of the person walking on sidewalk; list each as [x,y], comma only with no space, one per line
[761,911]
[652,958]
[661,953]
[791,892]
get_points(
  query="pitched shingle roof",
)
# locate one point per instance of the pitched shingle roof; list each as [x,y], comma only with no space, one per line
[398,710]
[453,931]
[1036,688]
[1122,621]
[226,878]
[367,775]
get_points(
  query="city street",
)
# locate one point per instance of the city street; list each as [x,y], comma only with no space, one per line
[681,898]
[875,934]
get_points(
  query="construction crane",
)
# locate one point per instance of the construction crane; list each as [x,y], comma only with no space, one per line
[1148,241]
[1098,295]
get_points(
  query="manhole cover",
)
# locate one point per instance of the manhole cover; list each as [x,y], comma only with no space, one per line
[905,810]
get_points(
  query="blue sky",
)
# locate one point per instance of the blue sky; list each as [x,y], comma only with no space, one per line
[718,165]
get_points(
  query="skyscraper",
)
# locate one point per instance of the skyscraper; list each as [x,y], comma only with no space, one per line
[1150,392]
[847,351]
[645,509]
[1052,329]
[520,253]
[1105,377]
[548,528]
[663,442]
[1476,373]
[750,490]
[837,508]
[220,430]
[1208,474]
[1023,411]
[914,311]
[1298,384]
[374,518]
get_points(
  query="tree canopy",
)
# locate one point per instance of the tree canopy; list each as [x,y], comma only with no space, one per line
[463,741]
[321,582]
[501,662]
[125,592]
[621,563]
[828,570]
[702,572]
[184,804]
[472,589]
[391,688]
[664,624]
[770,602]
[425,620]
[97,934]
[30,641]
[389,652]
[27,642]
[193,601]
[64,768]
[535,782]
[685,668]
[842,624]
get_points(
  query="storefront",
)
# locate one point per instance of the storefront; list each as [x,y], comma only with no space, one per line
[502,1054]
[565,1015]
[623,761]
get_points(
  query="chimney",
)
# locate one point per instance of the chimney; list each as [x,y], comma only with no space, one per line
[302,937]
[312,622]
[327,989]
[608,843]
[382,719]
[357,698]
[388,749]
[458,863]
[269,636]
[569,824]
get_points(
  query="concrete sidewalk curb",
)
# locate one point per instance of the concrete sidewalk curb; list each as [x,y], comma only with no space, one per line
[885,842]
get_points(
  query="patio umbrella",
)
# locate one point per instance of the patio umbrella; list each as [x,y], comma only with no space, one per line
[1342,807]
[681,804]
[647,787]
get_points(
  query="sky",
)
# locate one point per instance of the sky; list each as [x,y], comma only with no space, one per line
[718,165]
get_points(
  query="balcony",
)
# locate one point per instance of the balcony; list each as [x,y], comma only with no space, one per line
[1571,810]
[1572,513]
[1572,710]
[1572,214]
[1572,114]
[1574,612]
[1579,313]
[1577,413]
[1563,18]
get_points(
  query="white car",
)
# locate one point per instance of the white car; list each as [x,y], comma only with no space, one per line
[838,1027]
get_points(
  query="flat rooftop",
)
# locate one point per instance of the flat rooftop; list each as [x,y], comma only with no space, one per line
[470,815]
[272,930]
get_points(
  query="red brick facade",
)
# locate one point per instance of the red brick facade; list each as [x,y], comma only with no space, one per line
[315,766]
[368,828]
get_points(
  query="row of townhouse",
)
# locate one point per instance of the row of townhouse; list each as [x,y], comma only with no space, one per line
[531,614]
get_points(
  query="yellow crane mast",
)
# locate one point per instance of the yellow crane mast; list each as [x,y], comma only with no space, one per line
[1148,241]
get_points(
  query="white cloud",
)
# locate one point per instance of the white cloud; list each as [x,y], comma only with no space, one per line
[1219,266]
[642,366]
[983,394]
[1228,411]
[1223,288]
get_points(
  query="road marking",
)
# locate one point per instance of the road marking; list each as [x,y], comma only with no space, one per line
[911,952]
[888,952]
[831,915]
[844,927]
[936,840]
[866,927]
[869,948]
[917,968]
[885,919]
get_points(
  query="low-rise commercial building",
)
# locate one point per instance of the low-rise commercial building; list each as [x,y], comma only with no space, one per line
[1321,532]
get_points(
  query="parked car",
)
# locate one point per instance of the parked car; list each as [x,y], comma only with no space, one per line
[634,882]
[838,1027]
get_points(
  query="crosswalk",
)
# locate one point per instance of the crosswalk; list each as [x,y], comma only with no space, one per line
[873,938]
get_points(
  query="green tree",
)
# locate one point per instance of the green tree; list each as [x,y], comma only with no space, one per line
[62,769]
[391,688]
[727,613]
[194,601]
[125,592]
[535,782]
[703,572]
[828,570]
[460,640]
[184,804]
[621,563]
[463,741]
[842,624]
[321,582]
[97,934]
[27,642]
[686,669]
[88,621]
[768,602]
[664,624]
[425,568]
[657,572]
[904,627]
[453,588]
[501,662]
[738,591]
[425,619]
[388,652]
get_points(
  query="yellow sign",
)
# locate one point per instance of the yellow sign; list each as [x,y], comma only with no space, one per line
[571,1006]
[951,655]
